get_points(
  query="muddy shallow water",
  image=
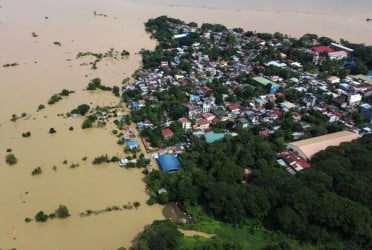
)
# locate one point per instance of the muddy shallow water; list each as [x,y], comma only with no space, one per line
[45,68]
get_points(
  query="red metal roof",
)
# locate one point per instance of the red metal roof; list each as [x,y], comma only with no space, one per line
[320,49]
[167,132]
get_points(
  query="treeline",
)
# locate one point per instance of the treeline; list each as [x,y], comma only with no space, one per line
[329,203]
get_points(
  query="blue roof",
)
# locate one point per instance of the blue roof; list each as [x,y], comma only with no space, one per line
[135,105]
[212,137]
[195,98]
[169,163]
[132,143]
[259,100]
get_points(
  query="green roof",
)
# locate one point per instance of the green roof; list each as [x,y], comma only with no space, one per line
[212,137]
[243,121]
[218,112]
[264,81]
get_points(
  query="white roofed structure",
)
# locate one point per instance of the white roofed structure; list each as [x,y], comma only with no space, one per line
[309,147]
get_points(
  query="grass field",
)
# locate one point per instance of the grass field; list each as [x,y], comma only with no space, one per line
[253,237]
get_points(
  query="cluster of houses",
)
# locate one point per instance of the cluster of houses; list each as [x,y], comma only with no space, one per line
[334,97]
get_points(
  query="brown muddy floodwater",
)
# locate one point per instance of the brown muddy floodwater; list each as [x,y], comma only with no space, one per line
[45,68]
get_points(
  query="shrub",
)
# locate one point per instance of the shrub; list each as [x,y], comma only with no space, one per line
[87,123]
[41,217]
[41,106]
[52,131]
[83,109]
[54,98]
[115,159]
[62,212]
[71,128]
[27,220]
[66,92]
[37,171]
[100,159]
[11,159]
[26,134]
[136,204]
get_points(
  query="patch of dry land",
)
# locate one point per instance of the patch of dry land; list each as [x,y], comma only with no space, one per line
[40,39]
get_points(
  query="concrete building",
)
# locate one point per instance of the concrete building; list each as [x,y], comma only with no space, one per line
[309,147]
[168,163]
[265,82]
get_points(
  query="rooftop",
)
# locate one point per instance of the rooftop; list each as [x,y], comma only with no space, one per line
[264,81]
[311,146]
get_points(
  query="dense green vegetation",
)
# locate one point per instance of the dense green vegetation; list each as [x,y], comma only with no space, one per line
[88,122]
[97,84]
[10,159]
[330,202]
[10,65]
[37,171]
[160,235]
[26,134]
[104,159]
[61,212]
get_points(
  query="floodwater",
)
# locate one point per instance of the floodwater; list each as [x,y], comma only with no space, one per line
[45,69]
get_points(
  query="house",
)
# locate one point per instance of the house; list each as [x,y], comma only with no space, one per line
[366,110]
[321,49]
[167,133]
[243,122]
[337,55]
[286,106]
[132,145]
[186,124]
[141,103]
[207,106]
[164,64]
[234,108]
[333,79]
[340,101]
[213,137]
[294,161]
[208,116]
[169,163]
[310,99]
[353,99]
[201,124]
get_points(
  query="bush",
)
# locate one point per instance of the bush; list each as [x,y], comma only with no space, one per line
[66,92]
[71,128]
[88,123]
[11,159]
[27,220]
[136,204]
[41,217]
[115,159]
[62,212]
[83,109]
[41,106]
[26,134]
[37,171]
[101,159]
[52,131]
[54,98]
